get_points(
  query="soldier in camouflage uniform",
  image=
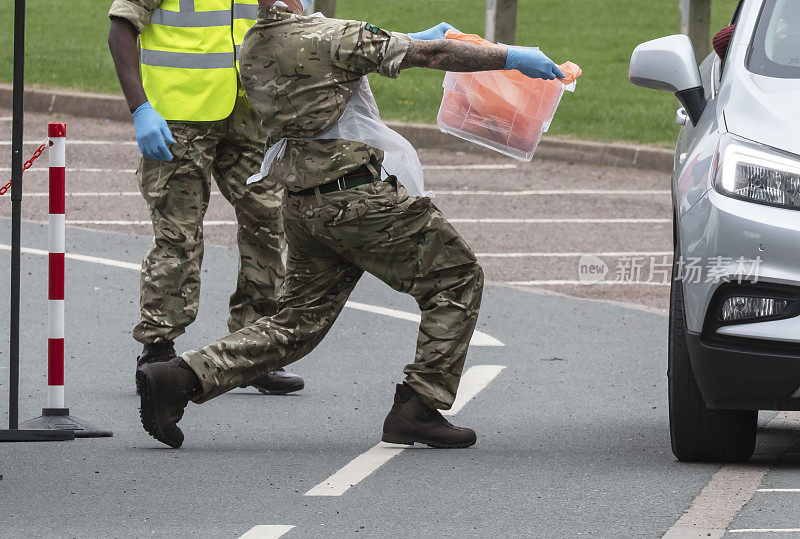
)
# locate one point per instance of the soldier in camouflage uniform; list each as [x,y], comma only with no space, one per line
[177,193]
[340,220]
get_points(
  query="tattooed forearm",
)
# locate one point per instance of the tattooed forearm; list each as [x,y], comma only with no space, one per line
[450,55]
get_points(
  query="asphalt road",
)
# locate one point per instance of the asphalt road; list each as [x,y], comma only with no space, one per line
[570,411]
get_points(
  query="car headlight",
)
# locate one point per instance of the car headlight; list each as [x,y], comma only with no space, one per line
[757,173]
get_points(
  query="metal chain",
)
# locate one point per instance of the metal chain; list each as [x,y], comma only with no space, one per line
[28,164]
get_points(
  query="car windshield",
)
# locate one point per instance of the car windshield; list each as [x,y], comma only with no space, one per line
[775,51]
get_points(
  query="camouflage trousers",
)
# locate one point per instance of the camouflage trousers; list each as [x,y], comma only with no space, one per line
[332,239]
[177,193]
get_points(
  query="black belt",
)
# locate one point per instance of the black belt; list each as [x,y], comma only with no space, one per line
[360,176]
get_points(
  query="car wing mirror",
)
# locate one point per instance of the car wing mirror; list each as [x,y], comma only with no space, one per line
[668,64]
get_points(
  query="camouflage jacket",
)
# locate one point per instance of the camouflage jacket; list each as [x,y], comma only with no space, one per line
[299,73]
[136,12]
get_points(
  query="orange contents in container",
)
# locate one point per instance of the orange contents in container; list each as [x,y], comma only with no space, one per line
[503,110]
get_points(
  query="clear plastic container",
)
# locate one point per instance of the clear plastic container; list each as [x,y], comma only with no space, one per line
[502,110]
[506,114]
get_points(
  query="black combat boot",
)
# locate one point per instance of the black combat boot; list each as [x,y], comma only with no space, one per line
[277,382]
[166,390]
[154,353]
[411,420]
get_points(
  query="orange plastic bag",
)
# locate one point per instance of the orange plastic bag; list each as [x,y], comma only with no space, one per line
[503,110]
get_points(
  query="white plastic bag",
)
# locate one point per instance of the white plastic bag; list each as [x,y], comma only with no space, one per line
[361,122]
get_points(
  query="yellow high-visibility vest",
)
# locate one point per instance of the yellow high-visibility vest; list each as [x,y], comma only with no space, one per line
[189,57]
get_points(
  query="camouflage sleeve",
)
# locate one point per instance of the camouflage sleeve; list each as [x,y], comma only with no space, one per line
[136,12]
[364,48]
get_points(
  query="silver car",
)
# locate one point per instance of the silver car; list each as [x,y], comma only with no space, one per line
[734,341]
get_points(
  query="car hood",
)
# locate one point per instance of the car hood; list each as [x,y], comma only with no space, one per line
[765,110]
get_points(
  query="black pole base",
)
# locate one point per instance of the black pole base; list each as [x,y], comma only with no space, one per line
[36,435]
[59,419]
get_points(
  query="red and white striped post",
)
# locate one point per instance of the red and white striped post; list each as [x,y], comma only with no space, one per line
[56,415]
[55,296]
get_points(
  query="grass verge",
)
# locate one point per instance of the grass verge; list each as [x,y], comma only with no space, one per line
[66,47]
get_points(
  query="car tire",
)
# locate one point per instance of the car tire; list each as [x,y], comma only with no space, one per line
[700,434]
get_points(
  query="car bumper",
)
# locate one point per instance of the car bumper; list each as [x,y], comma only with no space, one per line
[753,365]
[732,377]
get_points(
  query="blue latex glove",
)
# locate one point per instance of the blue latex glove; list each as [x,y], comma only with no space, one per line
[532,63]
[437,32]
[151,133]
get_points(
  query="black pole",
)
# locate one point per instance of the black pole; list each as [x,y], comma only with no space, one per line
[13,434]
[16,208]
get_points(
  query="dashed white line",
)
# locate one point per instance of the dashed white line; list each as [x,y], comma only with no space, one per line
[267,532]
[358,469]
[473,382]
[478,338]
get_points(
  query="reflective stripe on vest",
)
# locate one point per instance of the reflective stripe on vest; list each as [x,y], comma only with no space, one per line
[189,55]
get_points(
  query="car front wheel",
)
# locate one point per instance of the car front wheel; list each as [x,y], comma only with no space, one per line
[699,433]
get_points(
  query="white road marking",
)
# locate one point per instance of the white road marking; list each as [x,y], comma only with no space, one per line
[557,282]
[726,494]
[570,255]
[509,166]
[136,223]
[560,221]
[718,503]
[766,530]
[358,469]
[90,194]
[267,532]
[82,142]
[478,338]
[6,119]
[94,170]
[795,490]
[532,192]
[482,221]
[472,383]
[80,258]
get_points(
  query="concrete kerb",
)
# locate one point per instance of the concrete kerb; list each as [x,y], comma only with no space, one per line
[113,107]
